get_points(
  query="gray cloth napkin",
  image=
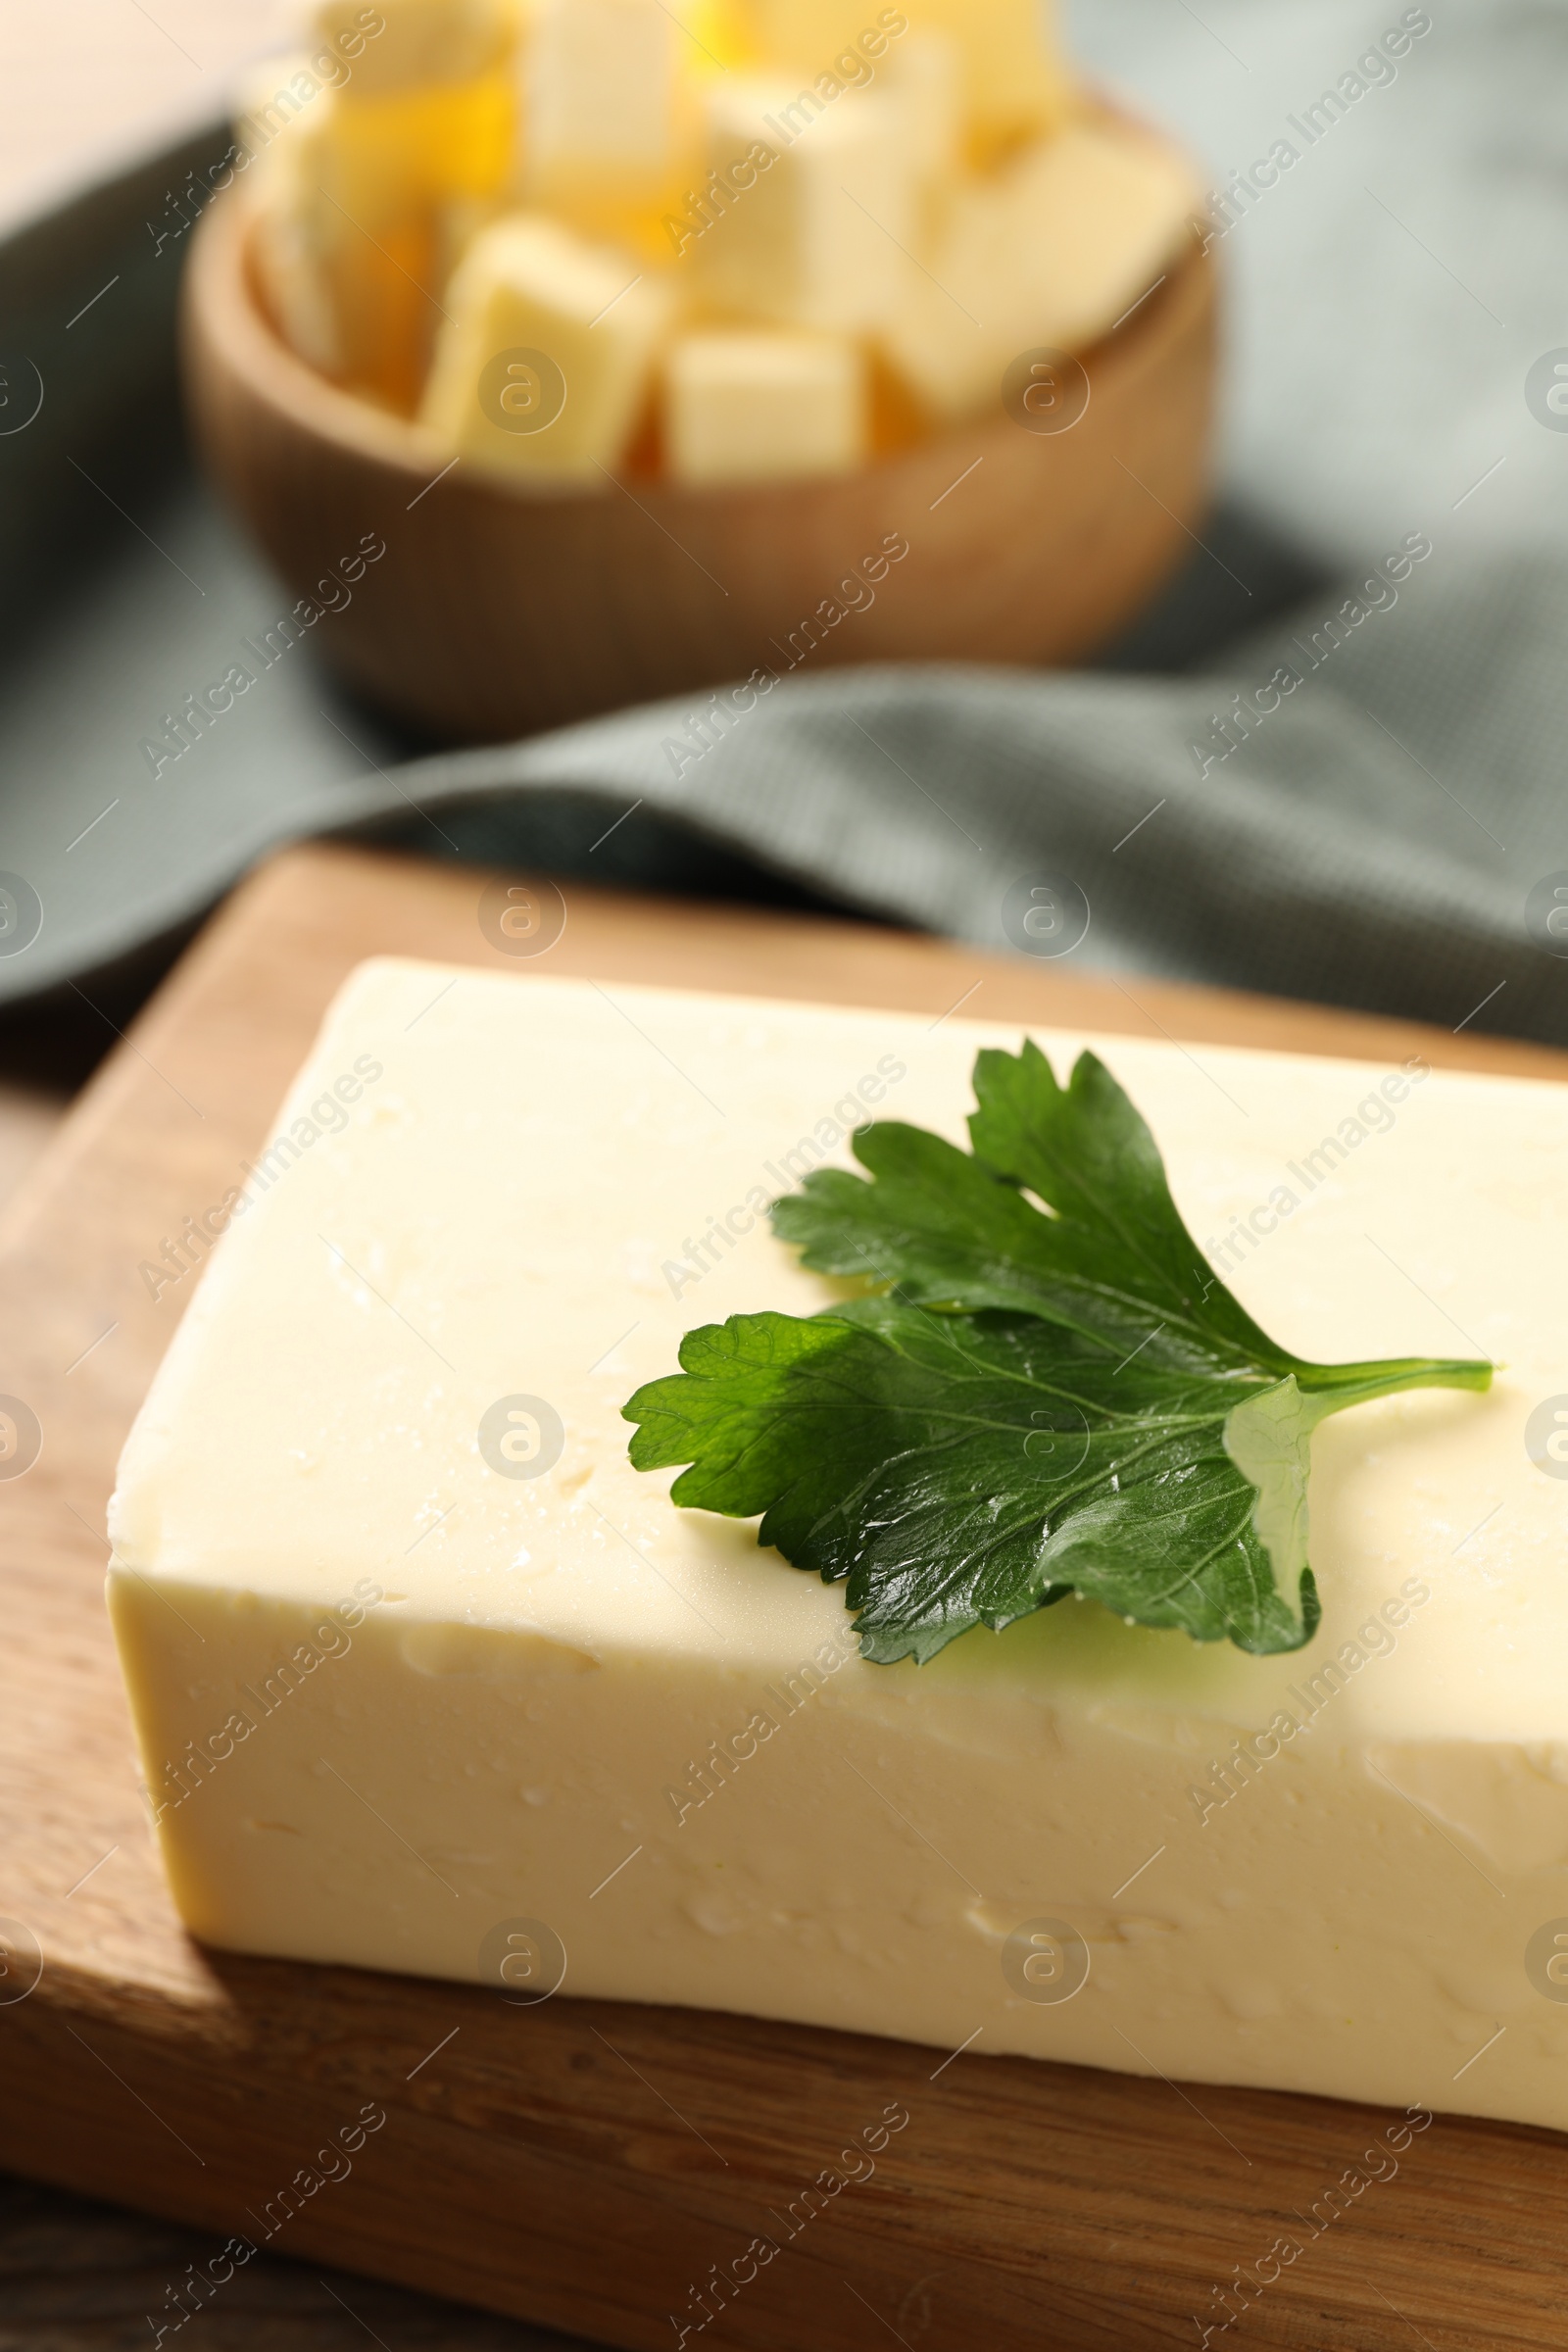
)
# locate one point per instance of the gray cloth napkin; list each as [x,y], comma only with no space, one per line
[1370,830]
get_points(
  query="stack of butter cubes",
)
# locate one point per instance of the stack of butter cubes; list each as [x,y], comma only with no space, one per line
[729,241]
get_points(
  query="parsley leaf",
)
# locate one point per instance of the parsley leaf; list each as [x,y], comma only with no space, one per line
[1049,1394]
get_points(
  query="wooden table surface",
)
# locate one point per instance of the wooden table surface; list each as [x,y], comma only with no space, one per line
[29,1119]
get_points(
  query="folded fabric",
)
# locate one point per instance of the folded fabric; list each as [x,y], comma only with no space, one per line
[1355,808]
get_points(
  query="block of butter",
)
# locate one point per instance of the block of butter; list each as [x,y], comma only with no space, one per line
[416,45]
[343,255]
[293,253]
[545,360]
[758,408]
[425,1677]
[612,120]
[1010,79]
[923,74]
[1046,254]
[819,235]
[347,208]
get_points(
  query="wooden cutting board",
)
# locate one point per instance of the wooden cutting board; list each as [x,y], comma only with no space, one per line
[587,2164]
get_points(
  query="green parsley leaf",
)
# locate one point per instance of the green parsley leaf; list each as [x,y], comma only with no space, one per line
[1052,1391]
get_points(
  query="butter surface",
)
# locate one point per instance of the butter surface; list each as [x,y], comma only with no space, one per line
[546,356]
[822,240]
[347,209]
[1005,57]
[573,1704]
[410,44]
[607,117]
[763,408]
[1048,253]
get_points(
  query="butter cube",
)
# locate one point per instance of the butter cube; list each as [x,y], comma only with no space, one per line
[1047,254]
[924,72]
[612,119]
[424,1674]
[546,358]
[292,268]
[457,224]
[427,147]
[343,257]
[760,407]
[419,44]
[346,240]
[721,33]
[351,186]
[276,96]
[1011,81]
[818,236]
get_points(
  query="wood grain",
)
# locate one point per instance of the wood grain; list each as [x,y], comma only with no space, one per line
[497,611]
[77,2277]
[28,1118]
[584,2165]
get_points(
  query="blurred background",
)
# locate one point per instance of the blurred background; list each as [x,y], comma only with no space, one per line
[1389,300]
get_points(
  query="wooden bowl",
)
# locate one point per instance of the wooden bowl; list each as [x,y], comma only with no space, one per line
[496,611]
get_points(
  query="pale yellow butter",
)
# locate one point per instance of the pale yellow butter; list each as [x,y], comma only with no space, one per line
[924,75]
[610,117]
[415,44]
[1046,255]
[575,1705]
[349,203]
[1011,83]
[762,407]
[818,236]
[545,359]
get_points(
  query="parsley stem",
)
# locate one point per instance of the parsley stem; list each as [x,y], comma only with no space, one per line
[1358,1384]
